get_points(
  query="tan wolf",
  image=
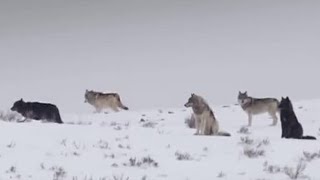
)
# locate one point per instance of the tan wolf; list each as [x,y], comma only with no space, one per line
[254,106]
[102,101]
[206,123]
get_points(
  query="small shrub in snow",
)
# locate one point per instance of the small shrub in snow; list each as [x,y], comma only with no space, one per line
[12,170]
[112,156]
[42,166]
[103,144]
[127,125]
[205,149]
[145,161]
[89,178]
[59,173]
[11,145]
[244,130]
[246,140]
[117,128]
[253,152]
[221,175]
[81,123]
[183,156]
[264,142]
[311,156]
[113,123]
[149,124]
[293,173]
[64,142]
[272,169]
[120,178]
[78,145]
[114,165]
[120,146]
[297,172]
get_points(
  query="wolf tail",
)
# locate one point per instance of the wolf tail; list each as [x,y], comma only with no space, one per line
[58,117]
[308,137]
[120,103]
[223,134]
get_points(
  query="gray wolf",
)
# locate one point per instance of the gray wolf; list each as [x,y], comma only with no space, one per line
[37,111]
[205,121]
[102,101]
[254,106]
[291,128]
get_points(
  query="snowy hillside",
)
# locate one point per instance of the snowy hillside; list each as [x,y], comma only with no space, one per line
[156,145]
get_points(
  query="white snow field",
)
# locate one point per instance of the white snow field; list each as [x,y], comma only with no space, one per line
[157,144]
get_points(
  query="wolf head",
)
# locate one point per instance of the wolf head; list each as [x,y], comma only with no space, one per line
[89,96]
[285,104]
[193,100]
[242,97]
[18,105]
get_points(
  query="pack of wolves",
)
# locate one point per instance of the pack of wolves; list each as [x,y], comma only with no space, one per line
[205,121]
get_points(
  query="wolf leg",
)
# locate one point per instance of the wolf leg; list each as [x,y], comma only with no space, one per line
[197,126]
[203,127]
[249,119]
[274,118]
[98,110]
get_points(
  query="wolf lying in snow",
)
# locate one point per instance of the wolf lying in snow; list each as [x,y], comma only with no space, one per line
[206,123]
[254,106]
[291,128]
[104,100]
[37,111]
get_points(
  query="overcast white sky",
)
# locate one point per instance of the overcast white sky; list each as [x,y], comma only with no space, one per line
[155,53]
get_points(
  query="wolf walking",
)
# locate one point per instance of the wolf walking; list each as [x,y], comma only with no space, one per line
[205,121]
[291,128]
[37,111]
[254,106]
[102,101]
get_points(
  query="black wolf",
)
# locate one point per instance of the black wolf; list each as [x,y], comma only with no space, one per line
[291,128]
[37,111]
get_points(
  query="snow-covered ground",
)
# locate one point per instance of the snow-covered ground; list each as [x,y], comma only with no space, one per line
[157,144]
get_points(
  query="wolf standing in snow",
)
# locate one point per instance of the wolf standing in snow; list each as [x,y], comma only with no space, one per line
[206,123]
[104,100]
[291,128]
[37,111]
[254,106]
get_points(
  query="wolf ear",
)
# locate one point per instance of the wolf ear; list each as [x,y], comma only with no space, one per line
[21,100]
[287,98]
[245,92]
[192,94]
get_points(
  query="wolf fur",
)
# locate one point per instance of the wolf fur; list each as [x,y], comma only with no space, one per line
[291,128]
[254,106]
[205,121]
[102,101]
[37,111]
